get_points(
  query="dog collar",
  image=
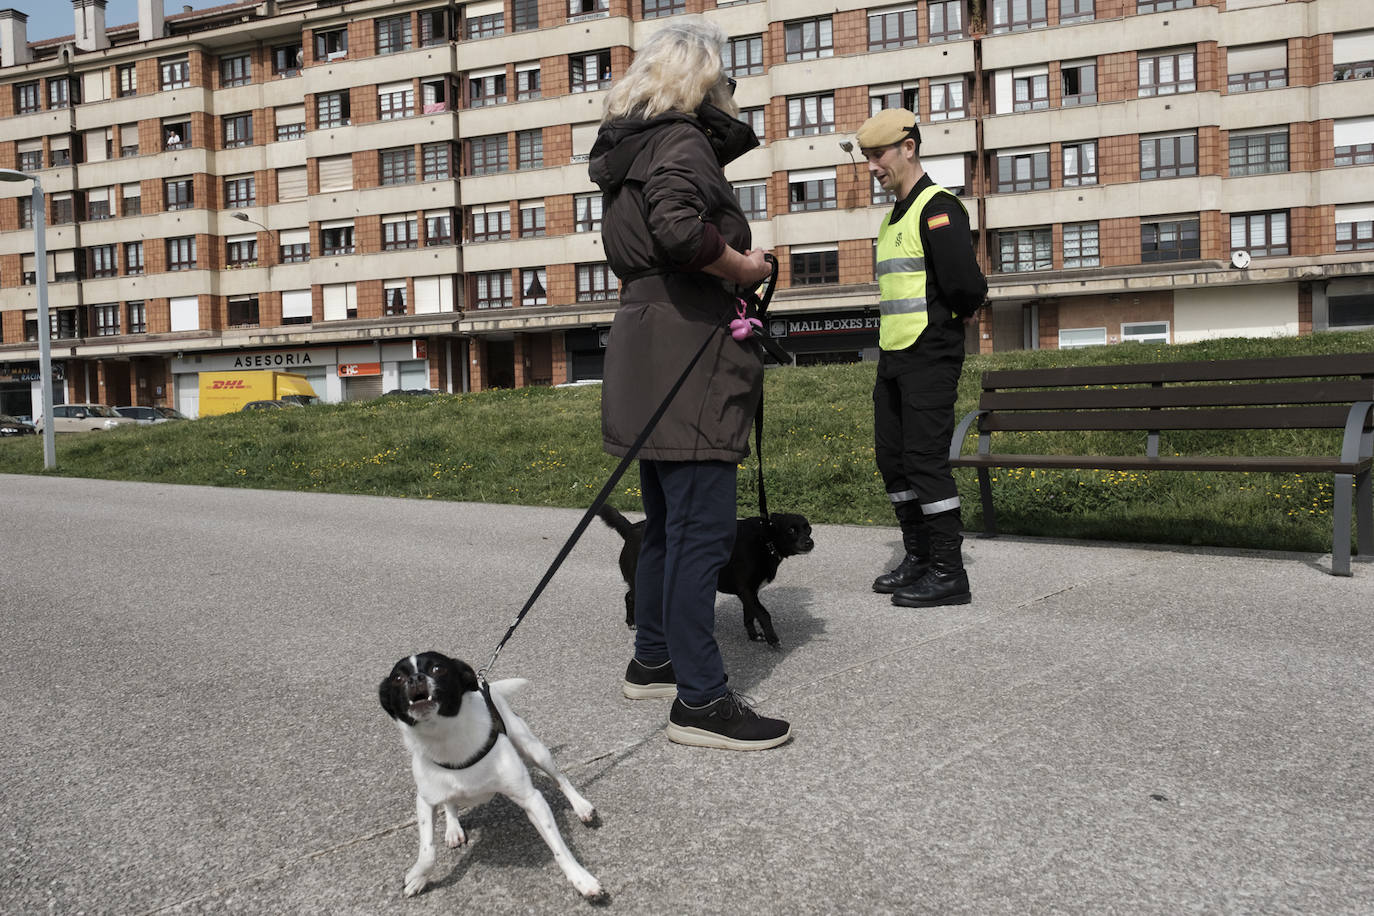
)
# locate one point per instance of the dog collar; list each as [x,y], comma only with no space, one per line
[498,728]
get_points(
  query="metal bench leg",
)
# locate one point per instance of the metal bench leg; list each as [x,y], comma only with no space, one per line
[1364,515]
[1340,534]
[989,513]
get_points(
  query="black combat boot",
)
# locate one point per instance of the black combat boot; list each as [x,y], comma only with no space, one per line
[916,540]
[945,582]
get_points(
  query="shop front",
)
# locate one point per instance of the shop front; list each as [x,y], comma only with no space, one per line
[21,394]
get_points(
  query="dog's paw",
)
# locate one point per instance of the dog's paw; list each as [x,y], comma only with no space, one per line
[588,816]
[592,892]
[454,835]
[416,879]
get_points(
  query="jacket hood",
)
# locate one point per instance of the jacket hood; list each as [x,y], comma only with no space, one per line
[619,142]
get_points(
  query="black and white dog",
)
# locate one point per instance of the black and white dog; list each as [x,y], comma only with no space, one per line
[466,745]
[758,552]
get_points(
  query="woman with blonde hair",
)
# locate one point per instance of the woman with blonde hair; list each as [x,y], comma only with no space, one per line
[680,245]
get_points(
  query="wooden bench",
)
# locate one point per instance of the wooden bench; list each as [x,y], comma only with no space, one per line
[1301,392]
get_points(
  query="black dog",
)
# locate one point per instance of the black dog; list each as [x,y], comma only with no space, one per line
[753,563]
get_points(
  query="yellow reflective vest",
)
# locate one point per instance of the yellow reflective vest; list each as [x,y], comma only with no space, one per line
[902,275]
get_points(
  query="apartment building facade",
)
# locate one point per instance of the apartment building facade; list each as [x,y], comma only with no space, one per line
[395,195]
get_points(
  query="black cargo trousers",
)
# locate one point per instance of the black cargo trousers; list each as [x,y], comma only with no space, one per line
[913,423]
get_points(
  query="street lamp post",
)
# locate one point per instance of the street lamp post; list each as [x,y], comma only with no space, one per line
[40,253]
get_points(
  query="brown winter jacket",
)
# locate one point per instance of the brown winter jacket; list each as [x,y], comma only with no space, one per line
[667,212]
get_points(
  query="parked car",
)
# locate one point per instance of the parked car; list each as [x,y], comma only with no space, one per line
[170,413]
[13,426]
[80,418]
[143,416]
[263,405]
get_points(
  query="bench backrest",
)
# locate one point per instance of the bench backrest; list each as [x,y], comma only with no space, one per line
[1156,396]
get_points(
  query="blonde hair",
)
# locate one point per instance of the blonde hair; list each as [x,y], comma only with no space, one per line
[676,70]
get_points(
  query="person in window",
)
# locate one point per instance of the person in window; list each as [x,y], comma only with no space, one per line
[928,285]
[173,140]
[676,238]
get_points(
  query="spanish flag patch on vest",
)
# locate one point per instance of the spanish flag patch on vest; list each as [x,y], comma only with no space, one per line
[938,221]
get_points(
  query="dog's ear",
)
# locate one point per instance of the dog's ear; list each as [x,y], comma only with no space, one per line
[467,677]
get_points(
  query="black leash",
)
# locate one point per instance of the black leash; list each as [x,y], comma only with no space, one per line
[624,465]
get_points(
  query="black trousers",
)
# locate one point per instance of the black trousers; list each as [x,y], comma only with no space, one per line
[913,423]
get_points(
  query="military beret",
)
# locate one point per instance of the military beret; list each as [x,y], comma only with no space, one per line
[888,128]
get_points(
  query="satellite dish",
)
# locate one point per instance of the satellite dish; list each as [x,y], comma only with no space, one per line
[1240,259]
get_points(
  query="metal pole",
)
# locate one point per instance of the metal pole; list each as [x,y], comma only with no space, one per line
[40,245]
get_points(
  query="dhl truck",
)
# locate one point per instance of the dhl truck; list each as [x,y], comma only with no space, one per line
[226,392]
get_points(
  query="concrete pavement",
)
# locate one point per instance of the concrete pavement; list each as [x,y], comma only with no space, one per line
[191,724]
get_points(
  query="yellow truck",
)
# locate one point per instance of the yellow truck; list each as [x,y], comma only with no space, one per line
[226,392]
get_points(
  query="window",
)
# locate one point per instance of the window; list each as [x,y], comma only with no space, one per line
[102,261]
[298,307]
[1353,139]
[1261,234]
[178,193]
[487,25]
[67,323]
[1355,227]
[490,223]
[238,130]
[396,101]
[175,72]
[106,320]
[754,118]
[534,286]
[98,204]
[947,100]
[1258,79]
[892,28]
[753,199]
[393,298]
[1018,15]
[1021,250]
[1080,163]
[133,258]
[128,140]
[25,212]
[811,114]
[904,96]
[743,56]
[812,190]
[434,28]
[526,82]
[1253,67]
[436,162]
[488,154]
[292,182]
[138,317]
[126,80]
[132,203]
[31,160]
[807,39]
[876,194]
[1145,331]
[295,245]
[26,98]
[241,251]
[1160,6]
[596,283]
[439,228]
[1078,82]
[655,8]
[531,220]
[1023,170]
[1031,93]
[1168,157]
[63,209]
[243,312]
[290,122]
[236,70]
[586,7]
[176,135]
[1069,338]
[332,109]
[812,267]
[493,290]
[393,34]
[589,72]
[336,238]
[524,15]
[240,192]
[1075,11]
[946,19]
[1166,73]
[529,149]
[487,87]
[287,59]
[1258,153]
[398,165]
[1172,239]
[1080,245]
[181,253]
[587,213]
[63,93]
[331,44]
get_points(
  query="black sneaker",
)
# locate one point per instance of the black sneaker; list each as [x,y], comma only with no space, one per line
[644,682]
[728,723]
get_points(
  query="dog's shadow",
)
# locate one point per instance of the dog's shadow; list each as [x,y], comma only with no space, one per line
[751,661]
